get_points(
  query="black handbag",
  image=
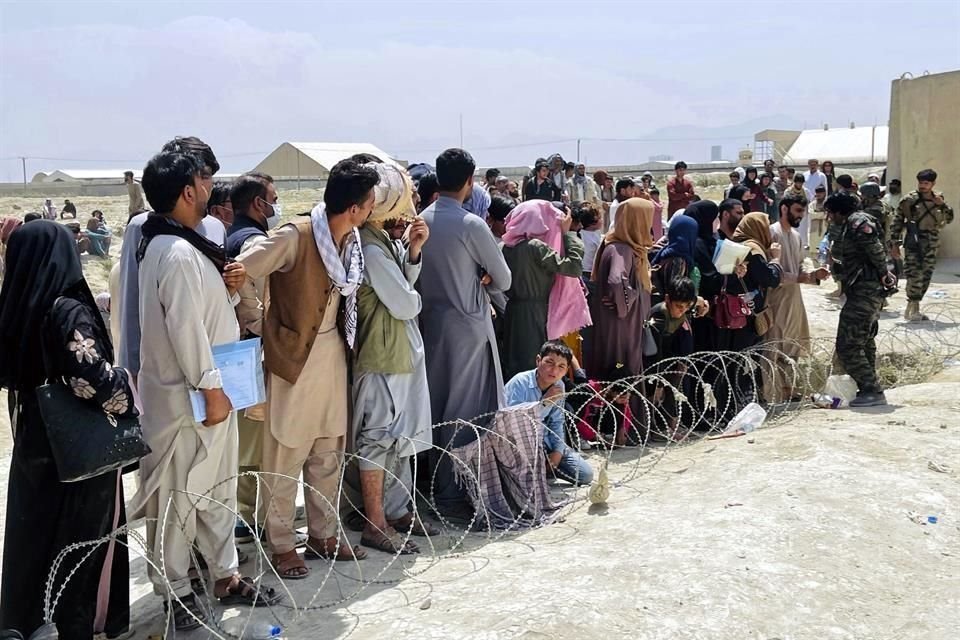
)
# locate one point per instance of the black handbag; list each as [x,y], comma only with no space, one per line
[86,441]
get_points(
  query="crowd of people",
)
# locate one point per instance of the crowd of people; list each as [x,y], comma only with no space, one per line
[401,319]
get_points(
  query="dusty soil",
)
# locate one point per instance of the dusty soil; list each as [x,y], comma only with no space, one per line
[809,531]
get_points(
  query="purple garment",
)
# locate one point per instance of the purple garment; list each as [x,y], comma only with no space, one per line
[618,331]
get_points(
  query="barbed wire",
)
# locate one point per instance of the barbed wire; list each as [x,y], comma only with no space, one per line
[700,394]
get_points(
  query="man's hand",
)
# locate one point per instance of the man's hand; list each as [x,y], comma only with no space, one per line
[218,406]
[774,251]
[234,275]
[554,458]
[702,308]
[486,279]
[938,199]
[822,273]
[417,234]
[889,280]
[566,221]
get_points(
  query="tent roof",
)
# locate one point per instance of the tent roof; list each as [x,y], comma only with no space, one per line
[92,174]
[327,154]
[860,144]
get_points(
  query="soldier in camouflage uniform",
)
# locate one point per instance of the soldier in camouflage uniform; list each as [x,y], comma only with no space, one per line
[881,214]
[860,264]
[916,226]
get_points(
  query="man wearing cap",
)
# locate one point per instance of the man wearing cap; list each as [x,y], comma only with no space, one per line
[916,225]
[391,401]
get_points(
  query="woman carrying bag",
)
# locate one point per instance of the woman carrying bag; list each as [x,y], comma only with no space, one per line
[51,330]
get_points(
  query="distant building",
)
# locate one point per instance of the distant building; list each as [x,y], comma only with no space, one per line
[664,157]
[716,153]
[87,176]
[849,145]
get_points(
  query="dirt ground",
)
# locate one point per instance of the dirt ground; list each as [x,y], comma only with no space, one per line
[809,529]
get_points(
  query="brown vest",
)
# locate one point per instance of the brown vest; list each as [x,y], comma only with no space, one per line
[298,300]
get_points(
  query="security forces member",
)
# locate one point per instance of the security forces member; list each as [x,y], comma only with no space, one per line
[860,264]
[918,220]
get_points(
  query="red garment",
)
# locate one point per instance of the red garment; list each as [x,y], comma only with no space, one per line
[589,414]
[678,196]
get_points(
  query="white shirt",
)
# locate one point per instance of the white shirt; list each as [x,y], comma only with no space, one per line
[613,213]
[813,180]
[591,242]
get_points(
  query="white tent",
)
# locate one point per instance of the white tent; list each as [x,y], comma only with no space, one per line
[858,145]
[313,159]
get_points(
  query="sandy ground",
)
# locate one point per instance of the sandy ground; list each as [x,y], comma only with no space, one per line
[806,532]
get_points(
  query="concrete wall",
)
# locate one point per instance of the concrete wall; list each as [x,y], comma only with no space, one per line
[925,134]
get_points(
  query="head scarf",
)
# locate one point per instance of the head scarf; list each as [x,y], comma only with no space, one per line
[754,232]
[632,228]
[600,177]
[705,213]
[747,181]
[8,226]
[478,202]
[393,195]
[344,267]
[579,180]
[103,301]
[41,265]
[681,240]
[567,309]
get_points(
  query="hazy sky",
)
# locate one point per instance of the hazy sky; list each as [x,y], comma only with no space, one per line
[103,85]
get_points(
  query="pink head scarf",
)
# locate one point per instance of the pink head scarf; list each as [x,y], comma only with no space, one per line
[8,226]
[567,309]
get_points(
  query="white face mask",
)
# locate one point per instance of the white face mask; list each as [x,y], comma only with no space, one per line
[274,220]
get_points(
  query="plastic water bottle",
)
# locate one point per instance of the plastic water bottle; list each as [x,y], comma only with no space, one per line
[46,632]
[822,249]
[750,418]
[246,629]
[825,401]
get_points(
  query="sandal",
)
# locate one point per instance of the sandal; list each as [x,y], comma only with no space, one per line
[289,566]
[320,550]
[188,614]
[389,541]
[414,525]
[243,591]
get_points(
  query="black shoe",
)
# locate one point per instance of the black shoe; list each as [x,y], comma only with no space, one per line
[876,399]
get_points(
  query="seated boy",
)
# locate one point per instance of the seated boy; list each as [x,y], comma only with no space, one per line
[545,384]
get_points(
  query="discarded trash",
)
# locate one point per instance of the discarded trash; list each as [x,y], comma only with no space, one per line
[936,466]
[916,517]
[750,418]
[932,519]
[843,387]
[824,401]
[939,294]
[240,627]
[600,490]
[732,504]
[425,604]
[751,440]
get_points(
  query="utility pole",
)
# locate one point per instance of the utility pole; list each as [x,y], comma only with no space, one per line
[23,162]
[578,149]
[461,130]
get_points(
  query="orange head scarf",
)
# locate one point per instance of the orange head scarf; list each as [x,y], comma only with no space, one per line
[632,228]
[754,232]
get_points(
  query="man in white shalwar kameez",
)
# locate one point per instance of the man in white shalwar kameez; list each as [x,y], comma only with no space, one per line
[789,332]
[187,295]
[391,400]
[315,266]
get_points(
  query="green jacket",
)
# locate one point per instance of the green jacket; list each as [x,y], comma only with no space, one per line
[382,345]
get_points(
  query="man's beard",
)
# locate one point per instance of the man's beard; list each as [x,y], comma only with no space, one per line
[794,222]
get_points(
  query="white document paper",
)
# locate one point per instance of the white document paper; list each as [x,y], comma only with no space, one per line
[728,255]
[241,370]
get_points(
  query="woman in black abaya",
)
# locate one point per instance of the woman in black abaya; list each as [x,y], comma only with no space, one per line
[46,306]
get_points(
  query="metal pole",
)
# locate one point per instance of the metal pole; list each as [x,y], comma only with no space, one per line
[578,149]
[873,143]
[23,161]
[298,169]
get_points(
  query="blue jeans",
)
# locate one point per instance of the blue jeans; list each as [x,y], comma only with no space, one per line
[574,468]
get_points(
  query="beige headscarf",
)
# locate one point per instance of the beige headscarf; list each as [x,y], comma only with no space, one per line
[754,232]
[393,196]
[633,228]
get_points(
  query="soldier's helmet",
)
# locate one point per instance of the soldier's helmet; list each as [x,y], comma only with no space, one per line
[870,190]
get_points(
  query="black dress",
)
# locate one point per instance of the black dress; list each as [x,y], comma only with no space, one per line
[45,515]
